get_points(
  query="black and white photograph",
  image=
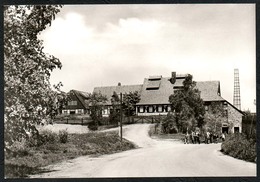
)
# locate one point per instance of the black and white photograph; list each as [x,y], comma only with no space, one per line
[129,90]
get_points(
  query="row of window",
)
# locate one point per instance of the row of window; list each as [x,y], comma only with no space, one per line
[77,111]
[151,109]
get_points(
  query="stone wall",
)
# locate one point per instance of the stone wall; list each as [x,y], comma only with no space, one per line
[234,119]
[230,119]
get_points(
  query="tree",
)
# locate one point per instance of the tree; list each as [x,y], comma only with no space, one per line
[187,106]
[59,101]
[114,116]
[249,124]
[96,104]
[168,124]
[128,103]
[27,69]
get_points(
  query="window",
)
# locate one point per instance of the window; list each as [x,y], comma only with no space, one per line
[150,109]
[152,88]
[236,129]
[105,111]
[141,109]
[159,109]
[72,103]
[79,111]
[72,112]
[226,112]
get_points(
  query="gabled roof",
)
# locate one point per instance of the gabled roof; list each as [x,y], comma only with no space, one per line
[108,91]
[210,90]
[156,90]
[82,97]
[235,108]
[158,96]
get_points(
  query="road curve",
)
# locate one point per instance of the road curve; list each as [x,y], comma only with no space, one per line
[154,158]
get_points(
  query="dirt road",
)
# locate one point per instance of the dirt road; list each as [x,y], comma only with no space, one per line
[154,158]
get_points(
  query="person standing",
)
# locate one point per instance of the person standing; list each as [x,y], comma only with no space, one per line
[186,140]
[207,137]
[211,137]
[192,137]
[198,137]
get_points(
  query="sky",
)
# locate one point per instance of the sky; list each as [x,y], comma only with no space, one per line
[101,45]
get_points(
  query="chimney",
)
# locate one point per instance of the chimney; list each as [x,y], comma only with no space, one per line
[173,78]
[119,84]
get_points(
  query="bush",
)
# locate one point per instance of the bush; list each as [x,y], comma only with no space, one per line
[168,124]
[239,146]
[63,136]
[47,136]
[92,126]
[18,148]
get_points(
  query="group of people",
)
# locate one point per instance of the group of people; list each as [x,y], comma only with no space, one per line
[195,137]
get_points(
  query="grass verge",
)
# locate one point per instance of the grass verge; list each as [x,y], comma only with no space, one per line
[31,161]
[154,133]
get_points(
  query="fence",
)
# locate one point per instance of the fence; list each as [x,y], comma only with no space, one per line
[105,120]
[148,119]
[73,120]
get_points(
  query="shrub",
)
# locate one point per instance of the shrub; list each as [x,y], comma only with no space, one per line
[63,136]
[18,148]
[239,146]
[93,126]
[47,136]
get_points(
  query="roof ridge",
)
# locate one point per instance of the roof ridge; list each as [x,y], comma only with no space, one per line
[209,81]
[118,86]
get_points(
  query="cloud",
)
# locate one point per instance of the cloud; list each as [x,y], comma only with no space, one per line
[66,34]
[103,45]
[134,30]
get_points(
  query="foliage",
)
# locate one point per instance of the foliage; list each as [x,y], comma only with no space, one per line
[47,136]
[93,126]
[249,124]
[50,153]
[114,116]
[27,69]
[168,124]
[18,148]
[215,116]
[238,145]
[187,106]
[96,101]
[129,101]
[63,136]
[155,133]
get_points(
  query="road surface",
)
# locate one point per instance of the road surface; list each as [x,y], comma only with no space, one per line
[154,158]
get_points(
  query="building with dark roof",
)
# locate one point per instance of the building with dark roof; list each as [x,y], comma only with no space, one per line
[78,103]
[155,92]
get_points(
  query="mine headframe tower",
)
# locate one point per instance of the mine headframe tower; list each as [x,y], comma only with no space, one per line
[236,95]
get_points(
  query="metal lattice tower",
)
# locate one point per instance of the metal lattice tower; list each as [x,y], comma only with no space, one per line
[236,96]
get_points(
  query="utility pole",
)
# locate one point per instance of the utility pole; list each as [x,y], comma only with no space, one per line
[121,118]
